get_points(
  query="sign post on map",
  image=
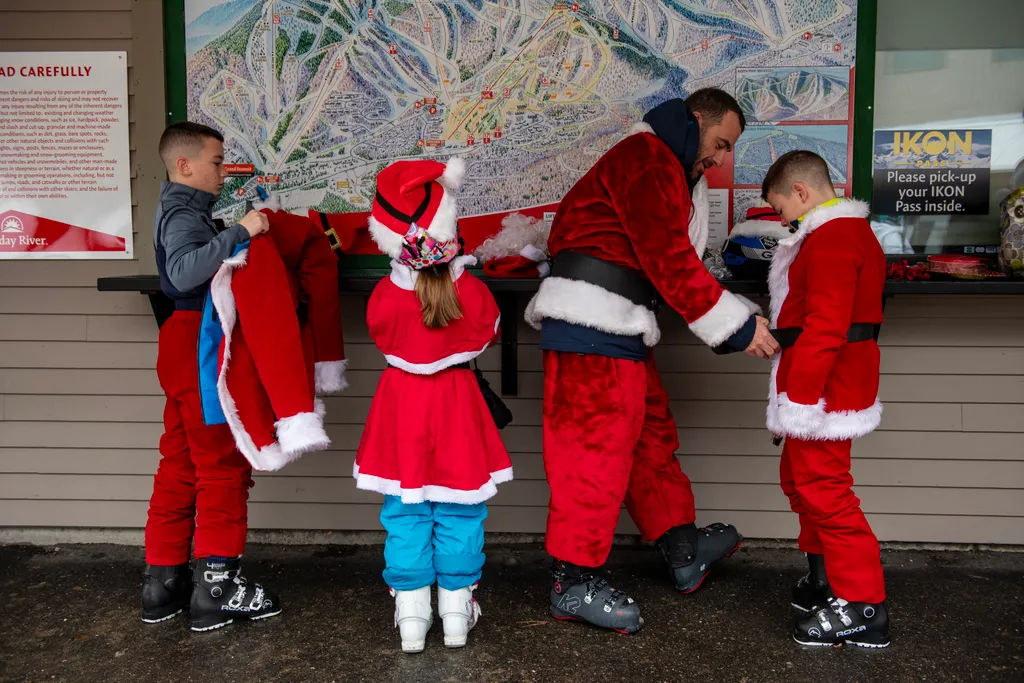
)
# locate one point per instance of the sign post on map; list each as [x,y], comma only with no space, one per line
[64,167]
[931,173]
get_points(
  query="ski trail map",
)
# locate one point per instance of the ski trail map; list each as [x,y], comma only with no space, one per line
[314,97]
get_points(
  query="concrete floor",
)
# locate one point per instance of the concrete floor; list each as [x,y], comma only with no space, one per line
[71,614]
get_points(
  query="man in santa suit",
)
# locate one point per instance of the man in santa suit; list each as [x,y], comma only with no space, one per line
[826,283]
[627,236]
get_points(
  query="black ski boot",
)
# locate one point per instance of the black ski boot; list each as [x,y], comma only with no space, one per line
[165,592]
[690,551]
[222,595]
[837,621]
[578,595]
[812,589]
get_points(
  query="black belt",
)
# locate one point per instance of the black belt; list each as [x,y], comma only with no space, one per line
[625,282]
[858,332]
[188,304]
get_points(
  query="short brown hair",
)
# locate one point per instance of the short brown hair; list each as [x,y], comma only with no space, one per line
[184,137]
[713,104]
[798,165]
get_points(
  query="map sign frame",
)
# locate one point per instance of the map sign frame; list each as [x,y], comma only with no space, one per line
[416,80]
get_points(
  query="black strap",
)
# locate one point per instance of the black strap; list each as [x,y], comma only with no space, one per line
[858,332]
[420,210]
[332,236]
[625,282]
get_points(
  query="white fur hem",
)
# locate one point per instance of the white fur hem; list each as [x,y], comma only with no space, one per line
[440,364]
[815,422]
[583,303]
[641,127]
[435,494]
[301,433]
[723,319]
[330,376]
[386,239]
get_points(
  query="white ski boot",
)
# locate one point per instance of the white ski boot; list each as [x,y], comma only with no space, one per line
[459,612]
[413,617]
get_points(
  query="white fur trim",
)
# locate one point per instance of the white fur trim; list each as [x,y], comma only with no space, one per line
[301,433]
[533,253]
[517,232]
[759,228]
[583,303]
[700,217]
[386,239]
[799,420]
[641,127]
[330,376]
[405,277]
[435,494]
[454,172]
[442,228]
[269,458]
[723,319]
[319,407]
[815,422]
[440,364]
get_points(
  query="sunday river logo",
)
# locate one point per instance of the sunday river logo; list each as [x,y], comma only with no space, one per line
[12,224]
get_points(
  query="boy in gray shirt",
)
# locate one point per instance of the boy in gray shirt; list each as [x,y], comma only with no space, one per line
[202,483]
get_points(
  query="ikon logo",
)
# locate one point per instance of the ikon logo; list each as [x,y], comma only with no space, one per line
[12,224]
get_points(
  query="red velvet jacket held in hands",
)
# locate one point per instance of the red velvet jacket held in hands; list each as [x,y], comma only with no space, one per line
[828,275]
[634,209]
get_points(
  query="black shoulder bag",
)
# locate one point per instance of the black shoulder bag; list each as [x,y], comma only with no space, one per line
[499,411]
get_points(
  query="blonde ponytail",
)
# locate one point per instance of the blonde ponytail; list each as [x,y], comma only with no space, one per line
[438,299]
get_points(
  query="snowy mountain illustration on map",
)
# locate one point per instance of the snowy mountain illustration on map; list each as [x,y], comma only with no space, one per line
[811,94]
[319,95]
[760,146]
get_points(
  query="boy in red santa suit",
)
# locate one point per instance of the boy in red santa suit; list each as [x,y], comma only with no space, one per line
[630,233]
[202,483]
[826,283]
[430,444]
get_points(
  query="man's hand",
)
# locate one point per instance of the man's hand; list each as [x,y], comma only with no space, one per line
[256,222]
[763,345]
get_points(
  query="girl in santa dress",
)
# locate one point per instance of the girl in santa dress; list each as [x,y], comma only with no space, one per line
[430,444]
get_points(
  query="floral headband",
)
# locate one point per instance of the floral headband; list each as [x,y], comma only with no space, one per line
[421,251]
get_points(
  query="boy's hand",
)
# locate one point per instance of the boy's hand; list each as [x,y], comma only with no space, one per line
[254,223]
[763,345]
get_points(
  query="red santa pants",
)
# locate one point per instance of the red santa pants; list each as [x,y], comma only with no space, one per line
[816,477]
[202,483]
[609,437]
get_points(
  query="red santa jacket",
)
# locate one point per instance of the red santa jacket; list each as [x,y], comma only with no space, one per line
[395,322]
[827,276]
[271,362]
[634,209]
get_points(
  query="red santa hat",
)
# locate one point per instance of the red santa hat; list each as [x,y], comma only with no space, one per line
[411,195]
[518,250]
[761,221]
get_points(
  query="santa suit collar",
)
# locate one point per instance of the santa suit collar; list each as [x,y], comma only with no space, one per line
[405,277]
[785,254]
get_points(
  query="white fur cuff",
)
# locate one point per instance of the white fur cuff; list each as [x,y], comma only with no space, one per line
[723,320]
[799,420]
[330,376]
[301,433]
